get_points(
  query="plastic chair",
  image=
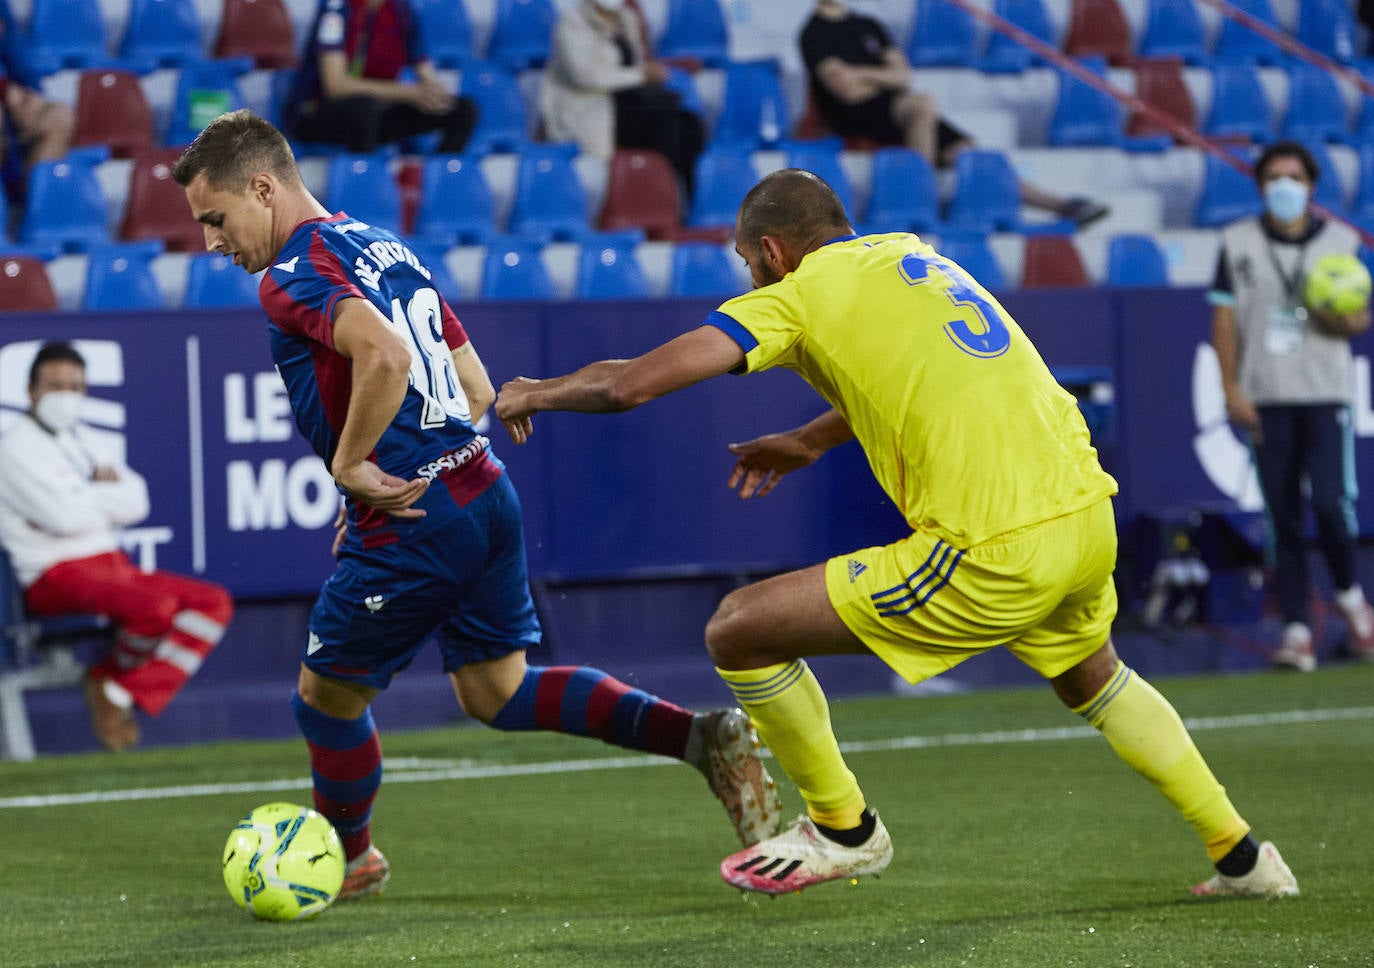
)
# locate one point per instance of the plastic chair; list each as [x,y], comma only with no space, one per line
[24,285]
[608,268]
[987,193]
[64,33]
[521,32]
[972,253]
[1328,27]
[111,109]
[1238,42]
[502,116]
[121,277]
[696,29]
[260,29]
[1006,56]
[1316,110]
[363,186]
[1328,190]
[1363,209]
[753,109]
[1227,195]
[162,32]
[549,197]
[1083,115]
[641,192]
[702,269]
[822,158]
[432,254]
[1160,84]
[204,91]
[65,205]
[1052,261]
[214,282]
[514,270]
[456,205]
[448,31]
[1136,260]
[904,196]
[156,207]
[943,35]
[723,178]
[1173,28]
[1098,28]
[1240,108]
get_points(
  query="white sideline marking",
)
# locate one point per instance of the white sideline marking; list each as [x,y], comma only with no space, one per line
[461,770]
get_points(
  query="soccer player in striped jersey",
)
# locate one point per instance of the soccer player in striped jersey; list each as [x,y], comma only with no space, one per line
[386,386]
[1012,542]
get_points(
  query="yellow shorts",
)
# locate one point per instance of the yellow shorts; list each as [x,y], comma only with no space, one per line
[1045,592]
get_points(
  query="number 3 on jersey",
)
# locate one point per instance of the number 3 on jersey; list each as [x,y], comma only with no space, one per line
[992,336]
[421,324]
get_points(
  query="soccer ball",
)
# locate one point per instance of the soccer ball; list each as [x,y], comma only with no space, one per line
[1337,285]
[283,862]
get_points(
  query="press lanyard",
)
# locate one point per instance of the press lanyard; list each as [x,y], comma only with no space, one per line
[1291,282]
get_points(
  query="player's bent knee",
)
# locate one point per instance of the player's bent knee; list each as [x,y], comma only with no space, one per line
[728,641]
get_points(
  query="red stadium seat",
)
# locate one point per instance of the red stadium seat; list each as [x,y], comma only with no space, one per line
[157,207]
[260,29]
[24,285]
[112,110]
[1098,27]
[1052,261]
[1159,83]
[642,192]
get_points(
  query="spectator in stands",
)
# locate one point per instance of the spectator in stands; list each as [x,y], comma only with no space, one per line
[32,128]
[61,503]
[349,90]
[603,90]
[861,83]
[1287,374]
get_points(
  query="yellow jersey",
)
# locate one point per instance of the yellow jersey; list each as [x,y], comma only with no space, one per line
[962,423]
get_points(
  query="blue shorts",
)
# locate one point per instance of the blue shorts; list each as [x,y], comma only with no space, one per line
[463,583]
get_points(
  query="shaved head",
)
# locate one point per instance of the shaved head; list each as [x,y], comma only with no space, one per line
[793,205]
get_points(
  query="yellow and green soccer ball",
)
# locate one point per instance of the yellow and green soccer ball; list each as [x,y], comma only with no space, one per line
[283,862]
[1337,285]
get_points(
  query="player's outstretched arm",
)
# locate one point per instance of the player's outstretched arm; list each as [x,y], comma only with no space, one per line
[764,460]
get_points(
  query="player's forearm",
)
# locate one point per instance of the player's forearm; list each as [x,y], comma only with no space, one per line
[596,388]
[888,77]
[379,387]
[827,431]
[1225,343]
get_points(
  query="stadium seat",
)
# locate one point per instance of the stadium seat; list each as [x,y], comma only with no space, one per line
[549,197]
[1316,110]
[1240,108]
[24,285]
[1007,56]
[214,282]
[723,177]
[1237,42]
[1052,261]
[433,255]
[1159,83]
[608,268]
[111,109]
[1328,191]
[822,158]
[943,35]
[987,194]
[1136,260]
[65,205]
[363,186]
[753,109]
[695,29]
[1083,115]
[513,269]
[204,91]
[1363,209]
[521,32]
[156,207]
[904,196]
[502,116]
[260,29]
[1227,195]
[641,192]
[120,276]
[1098,28]
[971,252]
[62,34]
[1328,27]
[1173,28]
[448,32]
[702,269]
[162,32]
[456,205]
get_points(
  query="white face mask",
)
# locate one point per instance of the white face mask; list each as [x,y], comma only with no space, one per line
[610,6]
[59,410]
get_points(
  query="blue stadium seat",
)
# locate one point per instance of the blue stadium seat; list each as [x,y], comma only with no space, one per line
[1328,191]
[65,205]
[63,33]
[120,276]
[1227,195]
[205,90]
[162,32]
[1328,27]
[549,197]
[1240,108]
[502,119]
[363,186]
[1363,209]
[521,32]
[1173,28]
[1136,260]
[1083,115]
[973,254]
[987,193]
[904,197]
[433,255]
[608,267]
[456,206]
[702,269]
[214,282]
[1237,42]
[1316,110]
[723,177]
[448,31]
[753,109]
[942,36]
[695,28]
[823,158]
[513,269]
[1006,56]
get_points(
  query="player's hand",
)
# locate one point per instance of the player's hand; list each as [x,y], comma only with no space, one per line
[513,408]
[1241,412]
[433,98]
[367,482]
[340,529]
[105,473]
[764,460]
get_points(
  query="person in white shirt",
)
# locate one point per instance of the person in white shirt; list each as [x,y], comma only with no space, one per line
[60,510]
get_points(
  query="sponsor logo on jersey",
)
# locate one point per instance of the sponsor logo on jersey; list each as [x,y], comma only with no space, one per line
[313,645]
[454,459]
[289,265]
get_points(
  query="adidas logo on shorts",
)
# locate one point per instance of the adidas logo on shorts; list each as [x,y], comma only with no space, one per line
[856,568]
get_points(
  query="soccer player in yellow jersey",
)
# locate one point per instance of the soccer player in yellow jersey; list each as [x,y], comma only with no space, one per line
[1012,542]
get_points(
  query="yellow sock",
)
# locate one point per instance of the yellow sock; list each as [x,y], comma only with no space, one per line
[1147,733]
[790,713]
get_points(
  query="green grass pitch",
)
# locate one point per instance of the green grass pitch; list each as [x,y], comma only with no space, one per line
[1013,849]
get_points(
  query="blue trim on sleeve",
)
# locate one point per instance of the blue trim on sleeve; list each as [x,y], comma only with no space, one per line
[1218,298]
[732,328]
